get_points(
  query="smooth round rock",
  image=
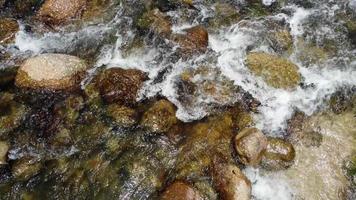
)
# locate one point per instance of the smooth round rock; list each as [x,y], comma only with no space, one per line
[250,144]
[51,71]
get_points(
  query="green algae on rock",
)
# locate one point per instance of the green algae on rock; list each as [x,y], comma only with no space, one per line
[250,144]
[8,29]
[52,72]
[277,72]
[160,117]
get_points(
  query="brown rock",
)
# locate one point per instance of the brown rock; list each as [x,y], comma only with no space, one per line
[250,144]
[231,183]
[155,21]
[59,11]
[4,148]
[194,40]
[122,115]
[51,71]
[160,117]
[25,168]
[180,191]
[279,154]
[120,86]
[8,29]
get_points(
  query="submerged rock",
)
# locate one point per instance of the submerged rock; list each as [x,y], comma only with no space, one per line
[194,40]
[8,29]
[300,133]
[56,12]
[205,141]
[122,115]
[277,72]
[180,191]
[160,117]
[279,154]
[25,168]
[11,113]
[120,86]
[351,27]
[7,76]
[225,15]
[155,21]
[250,145]
[231,183]
[51,71]
[4,148]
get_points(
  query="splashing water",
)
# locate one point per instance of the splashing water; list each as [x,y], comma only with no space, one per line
[229,47]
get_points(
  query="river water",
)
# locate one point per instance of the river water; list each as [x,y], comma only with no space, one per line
[228,47]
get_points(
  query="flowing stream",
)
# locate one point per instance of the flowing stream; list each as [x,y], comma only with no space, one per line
[105,43]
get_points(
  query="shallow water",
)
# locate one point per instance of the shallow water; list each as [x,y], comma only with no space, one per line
[228,47]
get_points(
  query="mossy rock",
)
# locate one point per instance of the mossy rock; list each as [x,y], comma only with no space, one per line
[277,72]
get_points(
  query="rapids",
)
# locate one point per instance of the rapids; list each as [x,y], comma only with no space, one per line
[104,42]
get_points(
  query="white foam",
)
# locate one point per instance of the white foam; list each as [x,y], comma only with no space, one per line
[268,2]
[268,186]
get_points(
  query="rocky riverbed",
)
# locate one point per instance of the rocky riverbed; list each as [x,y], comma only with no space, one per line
[178,99]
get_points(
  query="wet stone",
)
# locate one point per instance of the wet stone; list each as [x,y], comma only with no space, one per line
[8,29]
[231,183]
[277,72]
[279,155]
[4,147]
[155,21]
[122,115]
[250,145]
[180,191]
[25,168]
[55,12]
[52,72]
[194,41]
[11,113]
[160,117]
[120,86]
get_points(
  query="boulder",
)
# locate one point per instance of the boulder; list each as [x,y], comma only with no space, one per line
[160,117]
[55,12]
[180,191]
[4,148]
[52,72]
[120,86]
[277,72]
[250,145]
[194,40]
[279,154]
[231,183]
[8,28]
